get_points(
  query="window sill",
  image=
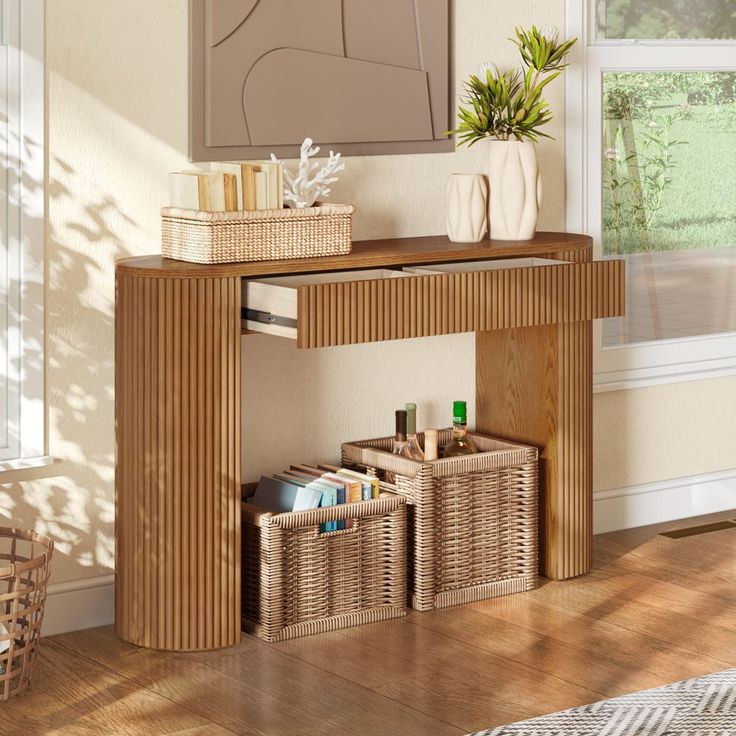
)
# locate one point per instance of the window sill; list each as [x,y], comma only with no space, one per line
[656,376]
[9,466]
[668,361]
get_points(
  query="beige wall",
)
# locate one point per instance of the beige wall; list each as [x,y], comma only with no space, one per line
[660,432]
[117,112]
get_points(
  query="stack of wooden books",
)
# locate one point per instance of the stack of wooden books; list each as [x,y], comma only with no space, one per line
[229,187]
[305,487]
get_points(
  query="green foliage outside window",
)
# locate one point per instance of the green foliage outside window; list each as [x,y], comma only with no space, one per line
[668,160]
[667,19]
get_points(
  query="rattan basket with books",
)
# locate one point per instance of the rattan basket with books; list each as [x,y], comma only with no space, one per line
[299,580]
[256,235]
[472,519]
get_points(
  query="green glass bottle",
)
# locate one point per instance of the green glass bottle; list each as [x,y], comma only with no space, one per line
[460,444]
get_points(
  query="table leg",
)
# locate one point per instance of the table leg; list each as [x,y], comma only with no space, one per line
[177,478]
[535,385]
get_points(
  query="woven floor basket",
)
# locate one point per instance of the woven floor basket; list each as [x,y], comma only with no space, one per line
[259,235]
[298,581]
[24,575]
[472,519]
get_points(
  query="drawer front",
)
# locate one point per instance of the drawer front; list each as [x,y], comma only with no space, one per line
[271,305]
[354,312]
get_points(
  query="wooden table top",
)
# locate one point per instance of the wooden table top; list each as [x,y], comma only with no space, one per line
[365,254]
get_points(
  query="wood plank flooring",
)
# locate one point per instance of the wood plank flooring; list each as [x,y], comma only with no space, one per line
[654,610]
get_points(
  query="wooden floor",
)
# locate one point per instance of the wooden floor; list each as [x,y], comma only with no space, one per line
[654,611]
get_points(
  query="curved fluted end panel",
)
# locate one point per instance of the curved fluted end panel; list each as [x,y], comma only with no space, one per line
[177,482]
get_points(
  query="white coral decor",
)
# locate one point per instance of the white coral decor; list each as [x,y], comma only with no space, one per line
[309,185]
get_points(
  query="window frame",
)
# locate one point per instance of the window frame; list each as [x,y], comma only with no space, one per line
[646,363]
[24,372]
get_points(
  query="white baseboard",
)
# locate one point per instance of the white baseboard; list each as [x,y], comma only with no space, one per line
[667,500]
[79,604]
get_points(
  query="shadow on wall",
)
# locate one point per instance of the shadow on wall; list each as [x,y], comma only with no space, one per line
[79,377]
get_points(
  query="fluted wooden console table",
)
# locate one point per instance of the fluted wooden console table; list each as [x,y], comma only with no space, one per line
[178,404]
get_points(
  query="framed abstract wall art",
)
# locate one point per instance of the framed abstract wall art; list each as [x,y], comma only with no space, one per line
[369,76]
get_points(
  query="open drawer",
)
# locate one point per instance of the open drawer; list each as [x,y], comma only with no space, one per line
[272,305]
[349,307]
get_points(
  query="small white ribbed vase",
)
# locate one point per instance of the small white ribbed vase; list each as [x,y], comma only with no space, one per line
[467,218]
[516,190]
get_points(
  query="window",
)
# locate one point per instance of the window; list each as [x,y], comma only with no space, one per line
[22,411]
[665,19]
[652,176]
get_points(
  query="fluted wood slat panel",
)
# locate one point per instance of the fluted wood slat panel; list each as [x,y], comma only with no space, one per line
[178,462]
[535,385]
[421,306]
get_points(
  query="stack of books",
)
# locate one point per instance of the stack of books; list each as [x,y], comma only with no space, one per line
[304,487]
[229,187]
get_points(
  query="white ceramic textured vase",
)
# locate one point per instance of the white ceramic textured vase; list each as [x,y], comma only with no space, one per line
[516,190]
[467,208]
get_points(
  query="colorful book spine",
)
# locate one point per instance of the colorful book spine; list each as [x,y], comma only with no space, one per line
[340,499]
[345,495]
[353,488]
[329,498]
[341,486]
[304,487]
[373,483]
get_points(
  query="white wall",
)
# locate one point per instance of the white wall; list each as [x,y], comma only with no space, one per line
[117,123]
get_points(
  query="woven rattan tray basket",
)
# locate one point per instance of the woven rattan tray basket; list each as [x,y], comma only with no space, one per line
[472,519]
[258,235]
[299,581]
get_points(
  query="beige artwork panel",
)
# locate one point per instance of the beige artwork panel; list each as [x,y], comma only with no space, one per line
[368,76]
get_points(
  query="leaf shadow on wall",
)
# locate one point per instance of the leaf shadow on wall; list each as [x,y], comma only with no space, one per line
[74,508]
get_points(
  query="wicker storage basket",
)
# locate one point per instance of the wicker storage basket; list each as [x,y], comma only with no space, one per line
[24,575]
[299,581]
[472,519]
[258,235]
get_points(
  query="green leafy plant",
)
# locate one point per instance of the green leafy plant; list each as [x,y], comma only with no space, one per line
[634,184]
[509,105]
[656,161]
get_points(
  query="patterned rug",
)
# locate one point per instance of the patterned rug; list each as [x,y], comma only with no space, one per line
[703,706]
